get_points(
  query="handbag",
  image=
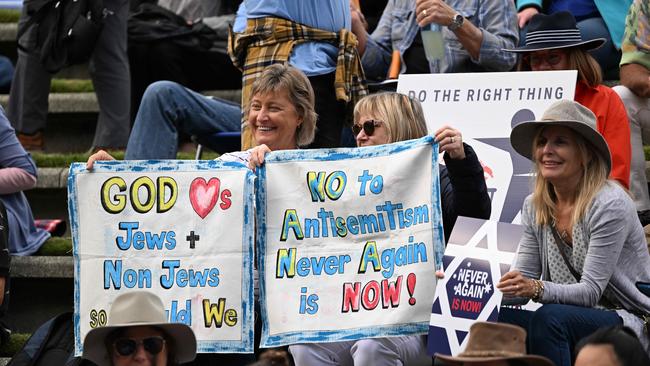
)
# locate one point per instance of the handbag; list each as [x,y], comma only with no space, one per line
[66,31]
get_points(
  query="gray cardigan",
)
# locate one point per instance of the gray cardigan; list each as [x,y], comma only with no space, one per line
[617,257]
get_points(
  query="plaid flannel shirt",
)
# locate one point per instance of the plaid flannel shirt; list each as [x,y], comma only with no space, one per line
[269,40]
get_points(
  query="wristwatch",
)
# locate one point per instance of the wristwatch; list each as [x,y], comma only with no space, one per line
[456,22]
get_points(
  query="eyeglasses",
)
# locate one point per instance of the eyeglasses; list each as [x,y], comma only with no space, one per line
[552,58]
[128,346]
[367,126]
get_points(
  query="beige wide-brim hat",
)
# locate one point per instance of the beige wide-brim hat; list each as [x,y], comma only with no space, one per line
[490,341]
[565,113]
[138,308]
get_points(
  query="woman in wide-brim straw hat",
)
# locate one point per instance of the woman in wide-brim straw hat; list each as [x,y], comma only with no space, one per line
[138,334]
[494,344]
[582,251]
[553,42]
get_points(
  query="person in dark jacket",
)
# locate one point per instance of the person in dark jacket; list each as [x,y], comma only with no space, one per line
[391,117]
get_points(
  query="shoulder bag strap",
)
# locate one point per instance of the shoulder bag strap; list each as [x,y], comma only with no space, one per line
[566,260]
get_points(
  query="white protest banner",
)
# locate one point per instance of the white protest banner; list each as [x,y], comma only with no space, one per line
[479,252]
[183,230]
[348,242]
[484,107]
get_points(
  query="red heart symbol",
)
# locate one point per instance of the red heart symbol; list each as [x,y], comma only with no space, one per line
[203,196]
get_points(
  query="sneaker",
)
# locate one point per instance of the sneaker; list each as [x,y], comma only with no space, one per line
[644,217]
[32,142]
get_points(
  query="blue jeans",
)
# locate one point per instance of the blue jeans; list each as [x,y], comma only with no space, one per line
[168,108]
[555,329]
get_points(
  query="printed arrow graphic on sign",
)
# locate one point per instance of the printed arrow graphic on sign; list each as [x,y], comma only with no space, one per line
[204,195]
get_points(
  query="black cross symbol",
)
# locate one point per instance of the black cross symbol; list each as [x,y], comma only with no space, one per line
[192,238]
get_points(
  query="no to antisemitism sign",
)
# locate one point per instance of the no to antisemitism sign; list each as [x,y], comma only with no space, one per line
[348,241]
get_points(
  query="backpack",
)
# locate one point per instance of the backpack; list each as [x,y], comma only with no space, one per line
[52,344]
[151,22]
[66,31]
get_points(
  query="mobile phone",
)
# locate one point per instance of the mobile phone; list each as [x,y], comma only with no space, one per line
[644,287]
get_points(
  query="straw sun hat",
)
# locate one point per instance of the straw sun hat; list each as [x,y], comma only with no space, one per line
[565,113]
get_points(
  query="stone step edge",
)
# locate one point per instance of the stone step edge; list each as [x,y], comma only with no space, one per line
[8,32]
[87,102]
[57,178]
[41,267]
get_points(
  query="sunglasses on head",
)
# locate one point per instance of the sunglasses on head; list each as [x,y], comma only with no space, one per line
[368,127]
[128,346]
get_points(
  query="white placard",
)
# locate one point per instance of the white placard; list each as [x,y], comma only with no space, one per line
[183,230]
[348,240]
[485,107]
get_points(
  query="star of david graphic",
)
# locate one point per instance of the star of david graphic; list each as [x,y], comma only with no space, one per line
[483,247]
[518,187]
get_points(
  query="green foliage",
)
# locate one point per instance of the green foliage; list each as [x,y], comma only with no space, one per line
[9,15]
[55,160]
[71,86]
[15,344]
[56,247]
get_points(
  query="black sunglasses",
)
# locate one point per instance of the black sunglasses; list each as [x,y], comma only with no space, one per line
[128,346]
[367,126]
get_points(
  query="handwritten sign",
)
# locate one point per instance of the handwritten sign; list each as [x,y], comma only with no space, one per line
[485,107]
[183,230]
[478,254]
[348,241]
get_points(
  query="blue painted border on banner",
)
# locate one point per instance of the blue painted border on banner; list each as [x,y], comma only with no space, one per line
[248,301]
[334,155]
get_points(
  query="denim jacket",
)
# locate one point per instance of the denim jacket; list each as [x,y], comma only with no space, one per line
[397,28]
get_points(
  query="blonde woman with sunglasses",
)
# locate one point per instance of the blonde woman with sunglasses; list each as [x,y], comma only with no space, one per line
[382,119]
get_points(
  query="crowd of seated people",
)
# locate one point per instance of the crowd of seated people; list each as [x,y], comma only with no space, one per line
[580,255]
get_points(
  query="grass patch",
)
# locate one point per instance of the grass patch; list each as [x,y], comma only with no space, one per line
[646,150]
[9,15]
[57,247]
[15,344]
[56,160]
[71,86]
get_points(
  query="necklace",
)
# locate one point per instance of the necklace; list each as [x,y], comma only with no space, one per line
[564,234]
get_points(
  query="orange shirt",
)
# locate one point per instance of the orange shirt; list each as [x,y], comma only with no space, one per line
[612,124]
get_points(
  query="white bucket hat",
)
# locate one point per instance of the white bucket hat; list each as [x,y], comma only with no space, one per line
[565,113]
[139,308]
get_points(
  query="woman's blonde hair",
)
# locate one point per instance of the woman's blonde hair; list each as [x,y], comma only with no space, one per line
[280,77]
[594,176]
[403,117]
[578,59]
